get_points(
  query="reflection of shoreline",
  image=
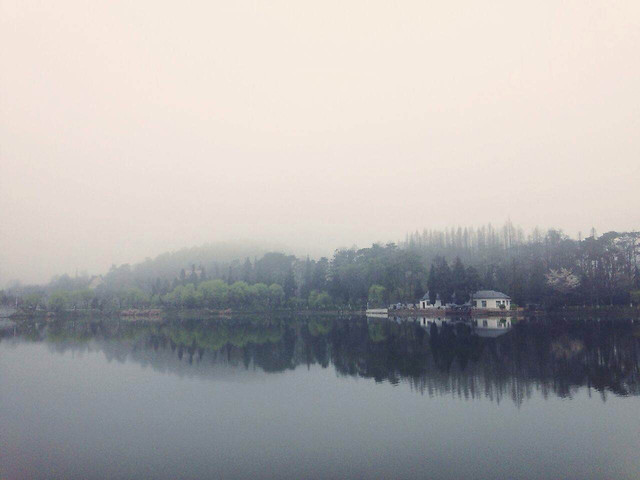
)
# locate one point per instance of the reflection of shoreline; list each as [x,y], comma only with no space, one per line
[460,312]
[434,356]
[488,326]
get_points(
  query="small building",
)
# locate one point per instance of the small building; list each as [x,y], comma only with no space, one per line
[425,302]
[490,300]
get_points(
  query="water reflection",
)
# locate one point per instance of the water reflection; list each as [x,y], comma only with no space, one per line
[494,358]
[483,326]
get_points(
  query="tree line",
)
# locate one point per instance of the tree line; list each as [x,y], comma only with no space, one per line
[549,269]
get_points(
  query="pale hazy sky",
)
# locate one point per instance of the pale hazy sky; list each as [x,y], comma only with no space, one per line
[132,128]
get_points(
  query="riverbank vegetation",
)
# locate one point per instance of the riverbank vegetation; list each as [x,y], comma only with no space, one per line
[548,269]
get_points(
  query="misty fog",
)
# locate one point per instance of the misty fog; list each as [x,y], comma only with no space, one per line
[131,129]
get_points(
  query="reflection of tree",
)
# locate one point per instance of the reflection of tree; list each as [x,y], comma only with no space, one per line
[554,358]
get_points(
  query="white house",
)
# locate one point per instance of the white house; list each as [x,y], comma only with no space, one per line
[490,300]
[425,302]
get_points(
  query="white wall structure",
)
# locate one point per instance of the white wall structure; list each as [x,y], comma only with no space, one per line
[425,302]
[490,300]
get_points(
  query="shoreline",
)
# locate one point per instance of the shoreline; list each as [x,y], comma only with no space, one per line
[195,314]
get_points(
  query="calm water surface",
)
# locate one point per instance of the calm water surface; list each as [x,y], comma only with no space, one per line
[320,398]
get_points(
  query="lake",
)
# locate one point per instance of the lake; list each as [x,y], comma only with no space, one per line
[320,397]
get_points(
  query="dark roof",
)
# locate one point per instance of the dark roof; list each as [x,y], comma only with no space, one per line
[489,294]
[426,296]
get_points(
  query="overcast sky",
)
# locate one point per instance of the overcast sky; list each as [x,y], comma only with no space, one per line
[132,128]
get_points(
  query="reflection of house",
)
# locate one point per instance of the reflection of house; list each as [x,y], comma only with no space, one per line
[425,302]
[490,300]
[492,326]
[427,321]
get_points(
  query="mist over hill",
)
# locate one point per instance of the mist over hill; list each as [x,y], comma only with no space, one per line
[547,268]
[213,257]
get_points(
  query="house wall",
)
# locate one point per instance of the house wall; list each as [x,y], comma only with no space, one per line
[492,303]
[424,304]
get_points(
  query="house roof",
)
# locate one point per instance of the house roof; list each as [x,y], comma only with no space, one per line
[489,294]
[426,296]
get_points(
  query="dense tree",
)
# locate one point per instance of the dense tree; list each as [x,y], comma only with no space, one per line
[260,294]
[239,294]
[247,271]
[289,284]
[276,295]
[606,268]
[459,282]
[440,280]
[59,300]
[33,300]
[377,296]
[319,300]
[472,278]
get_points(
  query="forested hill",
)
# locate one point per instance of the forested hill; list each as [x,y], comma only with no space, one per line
[547,268]
[214,258]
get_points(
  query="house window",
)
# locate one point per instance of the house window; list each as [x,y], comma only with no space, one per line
[484,303]
[475,303]
[484,323]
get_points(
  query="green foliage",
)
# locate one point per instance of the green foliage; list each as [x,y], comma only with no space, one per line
[377,296]
[217,294]
[214,293]
[59,300]
[239,294]
[276,295]
[295,303]
[156,301]
[33,300]
[86,296]
[259,294]
[319,300]
[547,268]
[190,297]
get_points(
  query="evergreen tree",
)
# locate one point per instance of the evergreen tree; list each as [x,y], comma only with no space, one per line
[247,271]
[473,280]
[289,286]
[440,280]
[432,284]
[459,282]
